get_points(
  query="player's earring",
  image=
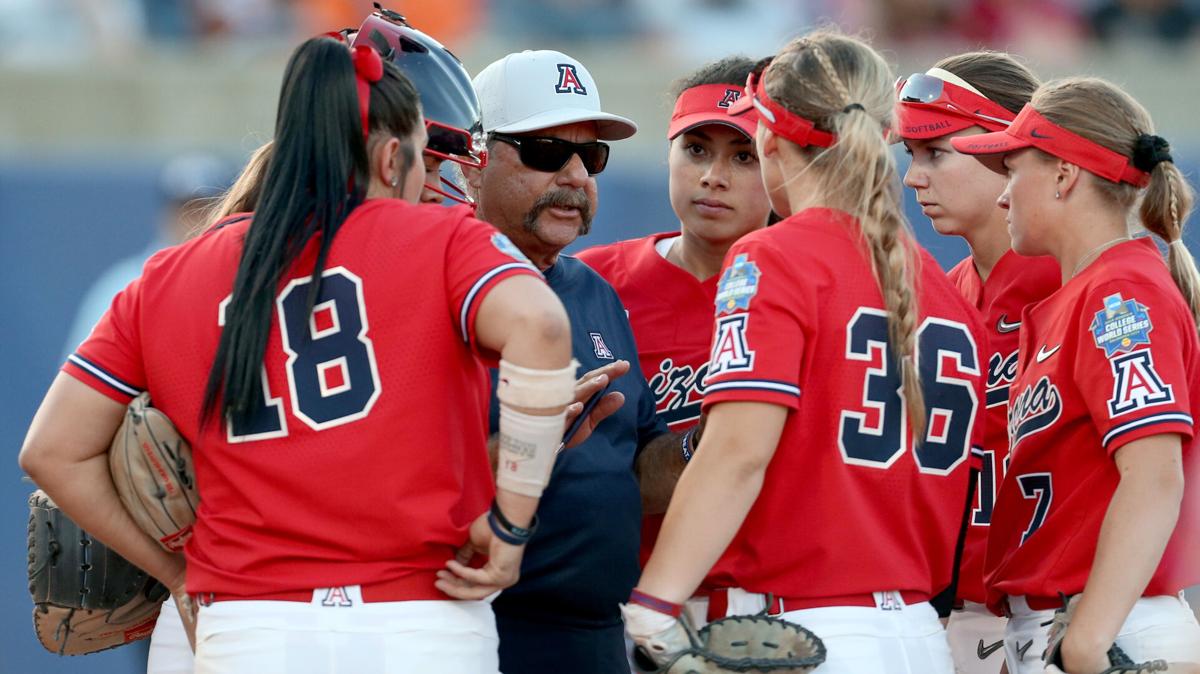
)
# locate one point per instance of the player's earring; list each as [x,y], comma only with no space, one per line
[1057,194]
[395,181]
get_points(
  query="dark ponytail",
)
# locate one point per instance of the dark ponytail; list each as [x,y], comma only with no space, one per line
[318,173]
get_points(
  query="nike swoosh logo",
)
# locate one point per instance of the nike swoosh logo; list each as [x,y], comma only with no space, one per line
[1021,649]
[1035,134]
[1043,354]
[1003,326]
[983,652]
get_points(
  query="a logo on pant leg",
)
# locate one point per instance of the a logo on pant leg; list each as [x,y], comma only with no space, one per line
[336,596]
[1021,649]
[887,601]
[984,652]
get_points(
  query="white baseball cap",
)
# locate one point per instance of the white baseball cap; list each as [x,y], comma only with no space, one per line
[534,90]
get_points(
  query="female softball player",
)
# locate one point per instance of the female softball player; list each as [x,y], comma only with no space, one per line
[966,95]
[299,359]
[838,342]
[1103,410]
[668,281]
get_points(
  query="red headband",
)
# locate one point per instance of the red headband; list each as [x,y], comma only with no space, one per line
[709,104]
[930,107]
[1031,129]
[781,121]
[368,69]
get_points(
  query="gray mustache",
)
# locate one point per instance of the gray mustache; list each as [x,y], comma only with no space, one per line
[564,199]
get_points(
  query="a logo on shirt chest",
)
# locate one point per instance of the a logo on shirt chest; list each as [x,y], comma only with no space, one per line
[1034,409]
[1002,370]
[599,347]
[678,391]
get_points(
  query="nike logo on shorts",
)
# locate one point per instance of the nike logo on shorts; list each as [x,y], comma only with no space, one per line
[1021,649]
[1043,354]
[984,651]
[1003,326]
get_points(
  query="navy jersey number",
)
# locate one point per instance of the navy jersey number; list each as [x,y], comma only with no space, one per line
[950,401]
[985,490]
[332,374]
[1037,486]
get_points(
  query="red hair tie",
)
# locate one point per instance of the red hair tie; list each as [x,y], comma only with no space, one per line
[368,69]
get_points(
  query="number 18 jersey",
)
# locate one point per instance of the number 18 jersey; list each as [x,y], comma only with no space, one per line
[366,459]
[849,506]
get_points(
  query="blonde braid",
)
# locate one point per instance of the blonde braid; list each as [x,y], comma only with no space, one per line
[857,174]
[831,73]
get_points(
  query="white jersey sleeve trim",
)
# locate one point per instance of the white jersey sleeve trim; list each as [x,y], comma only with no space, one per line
[754,384]
[1170,417]
[99,373]
[474,291]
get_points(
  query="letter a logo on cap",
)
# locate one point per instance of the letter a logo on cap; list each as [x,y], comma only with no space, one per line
[568,80]
[731,96]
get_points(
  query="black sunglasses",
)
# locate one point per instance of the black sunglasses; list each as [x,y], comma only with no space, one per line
[552,154]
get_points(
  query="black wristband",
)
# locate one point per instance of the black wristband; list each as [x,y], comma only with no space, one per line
[685,445]
[506,530]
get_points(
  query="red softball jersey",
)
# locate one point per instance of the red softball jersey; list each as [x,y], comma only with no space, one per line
[1110,358]
[671,313]
[366,460]
[849,505]
[1015,282]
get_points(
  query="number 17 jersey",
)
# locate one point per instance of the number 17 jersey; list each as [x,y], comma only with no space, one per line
[848,505]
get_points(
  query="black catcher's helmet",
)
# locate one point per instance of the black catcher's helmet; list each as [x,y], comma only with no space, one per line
[451,108]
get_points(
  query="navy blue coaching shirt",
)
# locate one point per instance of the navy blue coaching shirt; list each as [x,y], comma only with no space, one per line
[583,560]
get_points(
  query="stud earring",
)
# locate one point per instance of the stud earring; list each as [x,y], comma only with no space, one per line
[395,181]
[1057,195]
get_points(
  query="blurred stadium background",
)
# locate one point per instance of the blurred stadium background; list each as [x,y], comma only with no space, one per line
[98,96]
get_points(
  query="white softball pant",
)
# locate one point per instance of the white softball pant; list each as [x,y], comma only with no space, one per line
[430,637]
[976,639]
[1161,627]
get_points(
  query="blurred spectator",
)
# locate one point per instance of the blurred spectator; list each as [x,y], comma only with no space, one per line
[701,30]
[1030,27]
[566,21]
[1171,21]
[105,28]
[185,184]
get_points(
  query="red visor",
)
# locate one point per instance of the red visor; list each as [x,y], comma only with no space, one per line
[781,121]
[930,107]
[709,104]
[1030,129]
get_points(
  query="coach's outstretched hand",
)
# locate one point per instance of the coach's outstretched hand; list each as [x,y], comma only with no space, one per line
[502,570]
[587,386]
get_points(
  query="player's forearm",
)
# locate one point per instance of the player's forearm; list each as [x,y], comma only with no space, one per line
[713,496]
[710,503]
[1137,526]
[658,468]
[84,492]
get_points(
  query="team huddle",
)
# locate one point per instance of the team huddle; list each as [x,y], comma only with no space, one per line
[776,438]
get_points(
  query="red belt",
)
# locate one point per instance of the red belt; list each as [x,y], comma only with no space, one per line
[718,602]
[413,587]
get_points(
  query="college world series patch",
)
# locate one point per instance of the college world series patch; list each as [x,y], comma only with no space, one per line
[1121,325]
[738,285]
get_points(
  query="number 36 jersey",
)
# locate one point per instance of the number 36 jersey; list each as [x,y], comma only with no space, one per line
[366,459]
[1110,358]
[849,505]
